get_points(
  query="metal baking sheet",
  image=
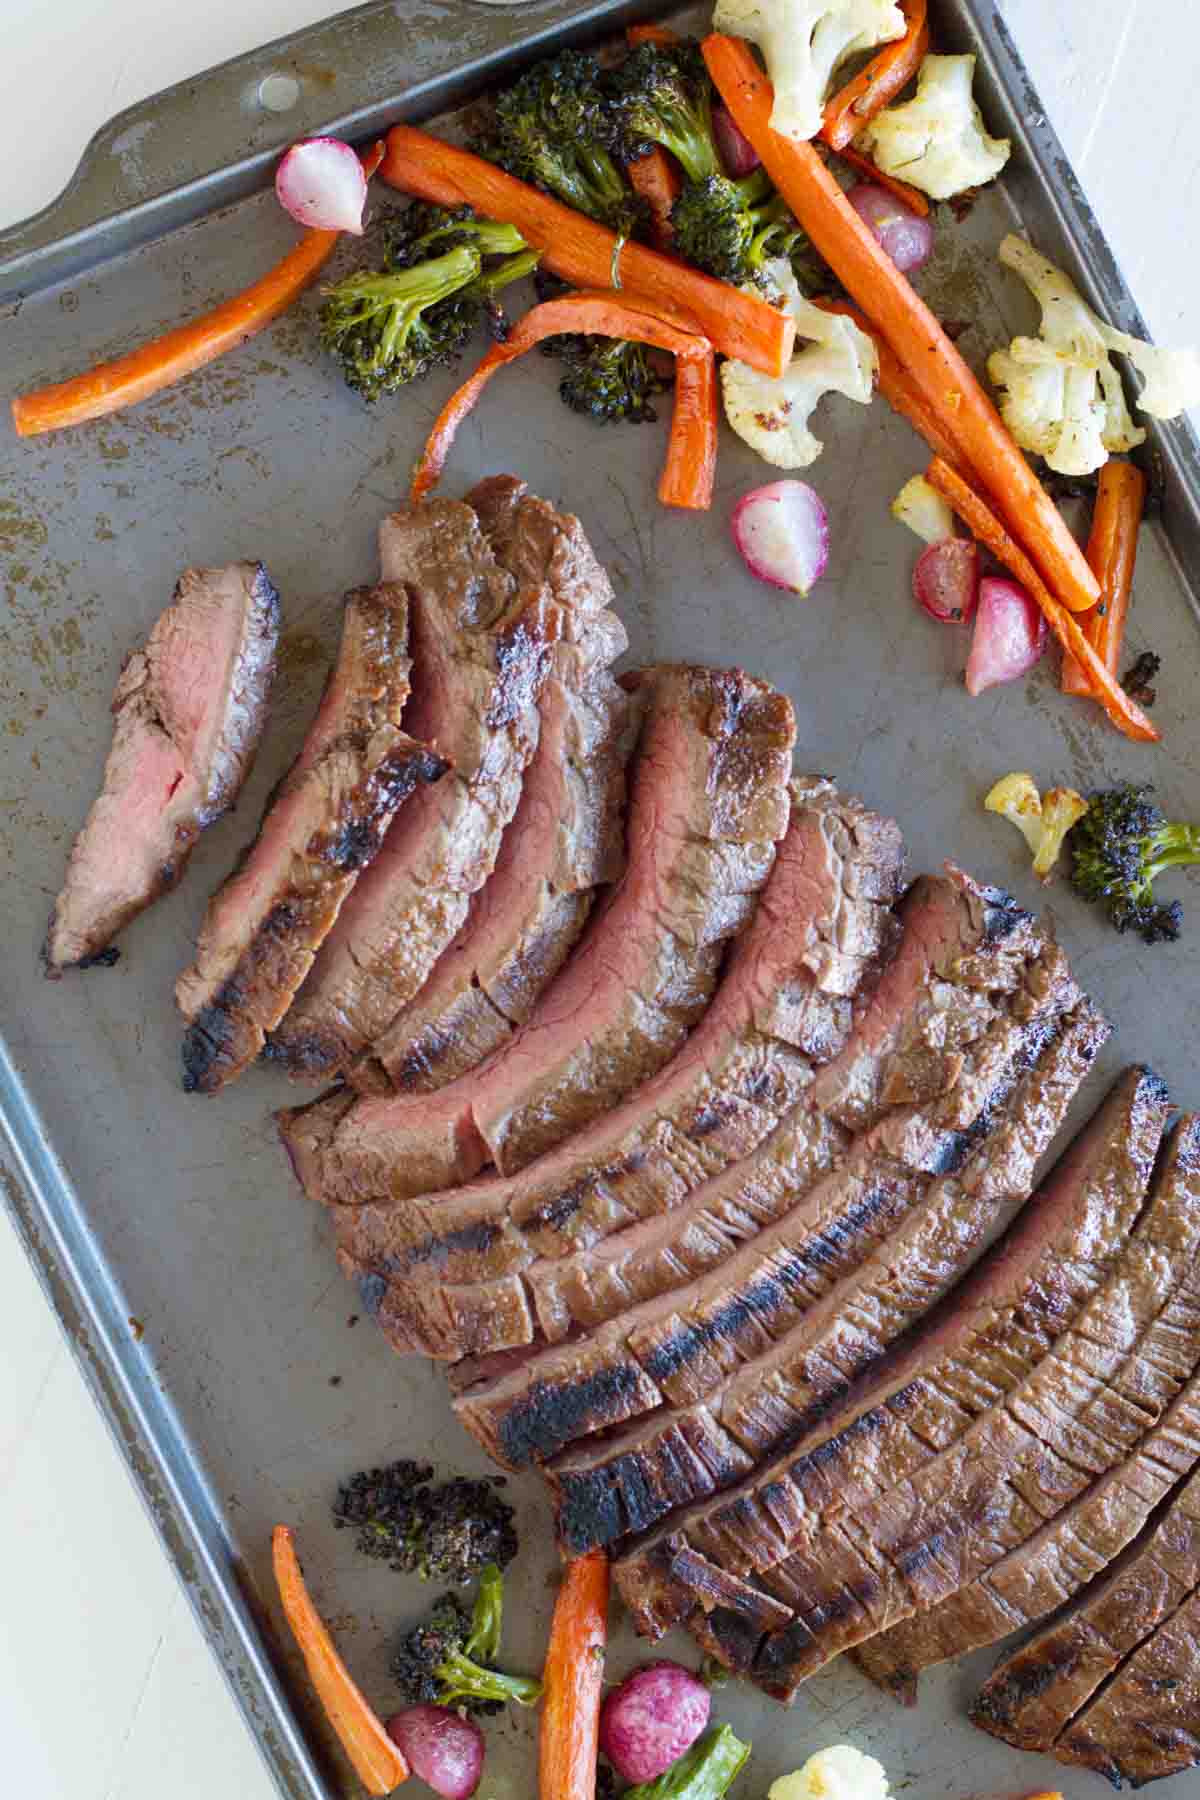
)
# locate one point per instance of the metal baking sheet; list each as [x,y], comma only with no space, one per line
[195,1282]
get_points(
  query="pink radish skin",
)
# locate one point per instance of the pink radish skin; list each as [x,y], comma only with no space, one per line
[321,183]
[782,532]
[648,1722]
[442,1749]
[946,580]
[1009,638]
[904,234]
[737,153]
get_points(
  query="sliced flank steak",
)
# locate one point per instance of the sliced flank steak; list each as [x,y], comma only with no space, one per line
[322,827]
[1034,1693]
[773,1022]
[983,1340]
[709,803]
[969,966]
[1082,1411]
[772,1357]
[1045,1572]
[480,646]
[1144,1723]
[566,839]
[189,711]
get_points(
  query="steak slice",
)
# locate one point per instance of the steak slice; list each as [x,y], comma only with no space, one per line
[481,649]
[1034,1693]
[1045,1572]
[322,826]
[190,707]
[964,961]
[709,803]
[1143,1724]
[566,837]
[1083,1410]
[826,1317]
[980,1343]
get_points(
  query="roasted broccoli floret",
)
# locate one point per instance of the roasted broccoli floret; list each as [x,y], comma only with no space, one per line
[610,379]
[390,326]
[1122,844]
[447,1660]
[664,96]
[557,128]
[442,1533]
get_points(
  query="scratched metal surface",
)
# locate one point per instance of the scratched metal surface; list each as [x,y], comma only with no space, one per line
[198,1285]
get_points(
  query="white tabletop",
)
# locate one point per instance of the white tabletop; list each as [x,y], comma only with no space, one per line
[106,1690]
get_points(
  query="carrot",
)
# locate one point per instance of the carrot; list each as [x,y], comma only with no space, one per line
[111,386]
[574,1677]
[377,1760]
[911,197]
[662,35]
[658,181]
[691,458]
[897,387]
[955,397]
[1125,714]
[868,92]
[738,325]
[1112,553]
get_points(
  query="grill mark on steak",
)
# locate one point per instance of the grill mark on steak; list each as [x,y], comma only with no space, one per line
[808,1361]
[1035,1692]
[481,648]
[321,827]
[565,839]
[189,710]
[916,1001]
[703,824]
[1105,1382]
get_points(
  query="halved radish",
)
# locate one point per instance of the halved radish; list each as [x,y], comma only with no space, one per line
[946,580]
[782,531]
[321,183]
[1009,638]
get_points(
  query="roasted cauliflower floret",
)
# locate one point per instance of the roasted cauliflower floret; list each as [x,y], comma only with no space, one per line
[937,140]
[803,41]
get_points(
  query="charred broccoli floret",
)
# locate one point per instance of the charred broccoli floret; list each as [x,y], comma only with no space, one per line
[557,128]
[447,1660]
[610,379]
[390,326]
[664,96]
[446,1532]
[1122,844]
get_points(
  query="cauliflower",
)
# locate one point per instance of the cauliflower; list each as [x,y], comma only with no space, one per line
[936,141]
[919,506]
[1060,394]
[839,1773]
[803,41]
[1042,820]
[771,415]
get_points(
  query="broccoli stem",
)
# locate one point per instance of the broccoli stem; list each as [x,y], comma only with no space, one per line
[1173,847]
[702,1773]
[513,268]
[488,1616]
[461,1678]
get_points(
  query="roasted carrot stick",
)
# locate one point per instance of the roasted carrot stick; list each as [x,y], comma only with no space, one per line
[114,385]
[574,1676]
[1125,714]
[582,252]
[897,387]
[871,277]
[911,197]
[377,1760]
[691,458]
[658,181]
[1112,552]
[879,81]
